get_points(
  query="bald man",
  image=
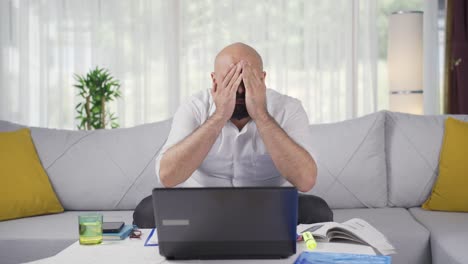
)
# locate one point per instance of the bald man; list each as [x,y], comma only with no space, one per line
[239,133]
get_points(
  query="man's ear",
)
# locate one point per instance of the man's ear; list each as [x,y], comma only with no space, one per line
[263,76]
[213,78]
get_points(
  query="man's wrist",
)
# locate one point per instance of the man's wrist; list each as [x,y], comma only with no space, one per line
[263,119]
[217,120]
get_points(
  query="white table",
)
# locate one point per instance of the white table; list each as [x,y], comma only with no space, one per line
[134,251]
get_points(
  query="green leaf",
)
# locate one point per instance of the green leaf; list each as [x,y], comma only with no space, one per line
[96,84]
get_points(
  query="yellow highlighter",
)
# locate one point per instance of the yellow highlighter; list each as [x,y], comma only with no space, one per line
[309,240]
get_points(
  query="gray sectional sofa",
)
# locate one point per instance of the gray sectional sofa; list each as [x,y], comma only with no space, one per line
[380,167]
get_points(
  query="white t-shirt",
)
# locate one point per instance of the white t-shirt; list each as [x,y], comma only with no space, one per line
[237,158]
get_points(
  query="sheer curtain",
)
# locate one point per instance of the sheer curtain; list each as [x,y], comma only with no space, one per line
[322,52]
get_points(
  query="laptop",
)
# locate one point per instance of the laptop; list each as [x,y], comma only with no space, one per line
[226,223]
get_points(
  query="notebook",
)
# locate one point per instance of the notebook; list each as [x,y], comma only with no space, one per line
[124,233]
[340,258]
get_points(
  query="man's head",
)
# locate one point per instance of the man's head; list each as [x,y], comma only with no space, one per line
[234,53]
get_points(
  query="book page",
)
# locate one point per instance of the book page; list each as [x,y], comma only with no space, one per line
[318,230]
[336,234]
[366,232]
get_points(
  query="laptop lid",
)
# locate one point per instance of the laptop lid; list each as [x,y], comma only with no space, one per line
[226,223]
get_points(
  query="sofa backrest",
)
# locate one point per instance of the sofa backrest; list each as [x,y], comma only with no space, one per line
[357,159]
[99,169]
[114,169]
[350,157]
[413,145]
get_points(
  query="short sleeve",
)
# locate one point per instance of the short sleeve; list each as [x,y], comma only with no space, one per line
[185,121]
[297,127]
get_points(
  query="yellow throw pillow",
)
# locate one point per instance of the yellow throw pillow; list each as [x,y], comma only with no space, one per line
[450,192]
[25,187]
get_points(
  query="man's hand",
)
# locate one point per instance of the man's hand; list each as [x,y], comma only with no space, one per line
[224,92]
[255,92]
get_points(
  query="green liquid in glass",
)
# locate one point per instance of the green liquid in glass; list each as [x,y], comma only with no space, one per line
[90,231]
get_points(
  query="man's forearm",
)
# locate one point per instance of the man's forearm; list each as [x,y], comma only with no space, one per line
[182,159]
[292,161]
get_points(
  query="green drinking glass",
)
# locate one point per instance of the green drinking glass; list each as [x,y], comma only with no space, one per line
[90,229]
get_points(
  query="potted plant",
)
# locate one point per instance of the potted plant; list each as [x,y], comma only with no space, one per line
[97,88]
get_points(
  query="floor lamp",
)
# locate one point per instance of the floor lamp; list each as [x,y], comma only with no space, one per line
[405,61]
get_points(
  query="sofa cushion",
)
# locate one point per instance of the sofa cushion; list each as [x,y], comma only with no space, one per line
[100,169]
[449,235]
[449,192]
[410,239]
[413,144]
[6,126]
[38,237]
[350,157]
[26,189]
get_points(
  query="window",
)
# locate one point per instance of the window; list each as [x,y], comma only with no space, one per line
[329,54]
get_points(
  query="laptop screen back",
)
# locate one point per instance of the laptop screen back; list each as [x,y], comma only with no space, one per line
[226,222]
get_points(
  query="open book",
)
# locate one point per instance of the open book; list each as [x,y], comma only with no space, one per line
[352,231]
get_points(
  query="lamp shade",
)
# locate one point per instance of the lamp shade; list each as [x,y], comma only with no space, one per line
[405,61]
